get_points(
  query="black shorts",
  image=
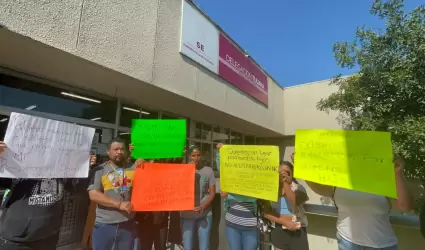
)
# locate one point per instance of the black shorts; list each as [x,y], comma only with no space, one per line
[289,240]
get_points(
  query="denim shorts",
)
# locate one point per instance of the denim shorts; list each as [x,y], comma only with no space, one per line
[344,244]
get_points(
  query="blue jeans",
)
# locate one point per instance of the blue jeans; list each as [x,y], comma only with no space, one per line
[202,225]
[241,239]
[344,244]
[120,236]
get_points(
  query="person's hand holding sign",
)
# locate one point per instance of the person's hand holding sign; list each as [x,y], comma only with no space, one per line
[404,201]
[139,163]
[398,165]
[292,157]
[126,206]
[224,194]
[93,159]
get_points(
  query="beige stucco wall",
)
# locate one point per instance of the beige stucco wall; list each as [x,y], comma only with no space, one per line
[141,39]
[299,107]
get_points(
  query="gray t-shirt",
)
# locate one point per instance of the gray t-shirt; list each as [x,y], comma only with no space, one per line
[204,179]
[115,183]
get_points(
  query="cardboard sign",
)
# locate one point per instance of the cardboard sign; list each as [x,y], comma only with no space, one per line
[164,187]
[356,160]
[43,148]
[158,139]
[250,170]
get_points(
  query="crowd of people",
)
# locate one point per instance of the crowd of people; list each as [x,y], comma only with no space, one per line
[33,209]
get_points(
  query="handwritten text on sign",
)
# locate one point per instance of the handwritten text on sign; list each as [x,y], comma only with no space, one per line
[250,170]
[164,187]
[158,139]
[357,160]
[44,148]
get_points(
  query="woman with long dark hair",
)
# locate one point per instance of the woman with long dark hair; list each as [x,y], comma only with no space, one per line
[290,229]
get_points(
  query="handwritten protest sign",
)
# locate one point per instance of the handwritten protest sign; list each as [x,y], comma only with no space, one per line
[44,148]
[250,170]
[158,139]
[164,187]
[356,160]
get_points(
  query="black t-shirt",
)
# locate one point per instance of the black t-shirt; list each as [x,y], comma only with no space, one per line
[32,210]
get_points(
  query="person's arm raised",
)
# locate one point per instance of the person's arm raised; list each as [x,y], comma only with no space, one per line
[320,189]
[289,194]
[404,202]
[217,156]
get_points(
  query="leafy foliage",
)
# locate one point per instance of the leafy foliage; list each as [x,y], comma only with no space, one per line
[388,93]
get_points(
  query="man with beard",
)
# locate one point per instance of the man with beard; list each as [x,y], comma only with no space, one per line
[110,188]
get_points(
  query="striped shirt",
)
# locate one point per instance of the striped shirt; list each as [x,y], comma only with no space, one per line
[241,215]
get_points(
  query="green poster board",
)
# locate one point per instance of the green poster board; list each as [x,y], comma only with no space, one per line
[158,139]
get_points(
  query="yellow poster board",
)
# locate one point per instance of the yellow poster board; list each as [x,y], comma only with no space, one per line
[250,170]
[356,160]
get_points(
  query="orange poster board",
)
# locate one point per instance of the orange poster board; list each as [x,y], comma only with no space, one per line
[164,187]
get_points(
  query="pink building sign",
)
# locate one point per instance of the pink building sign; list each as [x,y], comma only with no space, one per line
[240,71]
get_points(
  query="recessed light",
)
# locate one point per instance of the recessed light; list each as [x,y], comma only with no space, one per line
[31,107]
[80,97]
[136,110]
[96,119]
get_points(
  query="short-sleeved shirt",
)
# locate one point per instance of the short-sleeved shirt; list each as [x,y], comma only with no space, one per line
[115,183]
[204,179]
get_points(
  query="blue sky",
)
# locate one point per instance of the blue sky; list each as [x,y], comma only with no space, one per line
[293,39]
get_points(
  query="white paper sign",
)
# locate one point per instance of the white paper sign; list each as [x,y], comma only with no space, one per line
[44,148]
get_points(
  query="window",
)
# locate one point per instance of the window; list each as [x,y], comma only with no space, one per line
[166,116]
[221,135]
[128,113]
[4,120]
[206,152]
[195,130]
[206,132]
[102,137]
[236,138]
[249,140]
[24,94]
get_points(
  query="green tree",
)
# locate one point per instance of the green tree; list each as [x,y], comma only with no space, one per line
[388,92]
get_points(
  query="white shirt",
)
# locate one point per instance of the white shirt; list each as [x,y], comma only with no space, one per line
[364,219]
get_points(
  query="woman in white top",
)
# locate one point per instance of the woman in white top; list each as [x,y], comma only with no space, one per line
[363,219]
